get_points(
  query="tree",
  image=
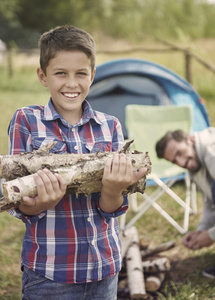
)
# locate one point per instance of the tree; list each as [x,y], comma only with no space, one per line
[11,30]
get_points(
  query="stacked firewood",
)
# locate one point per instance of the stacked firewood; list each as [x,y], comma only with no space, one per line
[144,269]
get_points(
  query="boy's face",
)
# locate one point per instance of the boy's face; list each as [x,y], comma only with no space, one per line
[68,78]
[183,154]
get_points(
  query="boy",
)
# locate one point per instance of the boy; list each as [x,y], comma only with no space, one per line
[71,247]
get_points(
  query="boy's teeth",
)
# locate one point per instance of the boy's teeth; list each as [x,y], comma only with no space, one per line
[71,95]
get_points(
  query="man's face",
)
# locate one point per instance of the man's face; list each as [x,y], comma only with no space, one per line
[182,154]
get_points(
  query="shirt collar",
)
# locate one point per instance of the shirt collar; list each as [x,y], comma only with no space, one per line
[50,114]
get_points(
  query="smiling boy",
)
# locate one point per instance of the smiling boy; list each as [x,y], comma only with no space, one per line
[71,248]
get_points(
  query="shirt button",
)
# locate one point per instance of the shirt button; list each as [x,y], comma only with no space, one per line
[88,219]
[73,129]
[76,147]
[93,243]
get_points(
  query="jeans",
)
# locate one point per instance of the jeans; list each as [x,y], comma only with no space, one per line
[37,287]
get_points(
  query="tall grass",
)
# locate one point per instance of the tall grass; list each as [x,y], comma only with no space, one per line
[24,89]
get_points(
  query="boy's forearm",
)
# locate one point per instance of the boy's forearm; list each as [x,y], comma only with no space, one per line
[109,202]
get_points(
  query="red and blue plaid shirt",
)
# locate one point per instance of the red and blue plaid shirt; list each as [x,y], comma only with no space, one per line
[76,241]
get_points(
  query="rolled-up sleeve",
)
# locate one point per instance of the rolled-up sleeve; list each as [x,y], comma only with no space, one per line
[120,211]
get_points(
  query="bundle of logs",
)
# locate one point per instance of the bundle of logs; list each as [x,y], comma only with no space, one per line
[144,269]
[82,172]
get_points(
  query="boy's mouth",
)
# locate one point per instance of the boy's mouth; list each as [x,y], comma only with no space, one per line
[71,95]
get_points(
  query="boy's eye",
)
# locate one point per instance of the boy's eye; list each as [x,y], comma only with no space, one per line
[82,73]
[60,73]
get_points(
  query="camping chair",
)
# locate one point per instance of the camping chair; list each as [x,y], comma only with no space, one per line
[146,125]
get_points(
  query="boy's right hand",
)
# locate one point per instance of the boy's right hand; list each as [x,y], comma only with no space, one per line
[50,187]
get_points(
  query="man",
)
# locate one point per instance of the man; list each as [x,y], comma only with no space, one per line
[197,154]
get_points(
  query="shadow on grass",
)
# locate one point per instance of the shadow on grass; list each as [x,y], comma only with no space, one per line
[185,280]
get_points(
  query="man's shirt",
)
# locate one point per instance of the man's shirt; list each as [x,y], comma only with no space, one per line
[76,241]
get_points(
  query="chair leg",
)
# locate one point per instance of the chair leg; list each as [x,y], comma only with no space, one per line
[133,200]
[160,210]
[193,198]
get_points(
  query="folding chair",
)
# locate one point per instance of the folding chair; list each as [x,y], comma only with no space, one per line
[146,125]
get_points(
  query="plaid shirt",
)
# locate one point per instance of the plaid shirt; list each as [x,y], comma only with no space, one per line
[76,241]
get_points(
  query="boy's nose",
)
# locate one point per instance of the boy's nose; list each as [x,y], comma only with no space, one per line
[71,82]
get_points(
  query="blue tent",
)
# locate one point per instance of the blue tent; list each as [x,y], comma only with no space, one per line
[121,82]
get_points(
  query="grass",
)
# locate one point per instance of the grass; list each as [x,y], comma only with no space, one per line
[185,280]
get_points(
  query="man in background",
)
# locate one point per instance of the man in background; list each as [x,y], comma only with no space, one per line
[196,153]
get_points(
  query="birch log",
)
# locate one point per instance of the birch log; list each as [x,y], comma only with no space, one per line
[134,270]
[126,239]
[82,172]
[153,282]
[157,249]
[161,264]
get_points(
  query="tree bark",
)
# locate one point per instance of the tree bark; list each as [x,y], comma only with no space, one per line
[134,270]
[126,238]
[157,249]
[161,264]
[82,172]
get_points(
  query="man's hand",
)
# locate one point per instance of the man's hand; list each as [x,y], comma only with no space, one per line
[197,239]
[50,190]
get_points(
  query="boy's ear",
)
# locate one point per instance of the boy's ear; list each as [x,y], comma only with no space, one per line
[93,75]
[42,77]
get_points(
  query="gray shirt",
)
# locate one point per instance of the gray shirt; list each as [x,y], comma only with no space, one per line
[205,148]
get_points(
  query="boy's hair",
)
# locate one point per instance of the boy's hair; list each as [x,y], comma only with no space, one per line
[177,135]
[65,38]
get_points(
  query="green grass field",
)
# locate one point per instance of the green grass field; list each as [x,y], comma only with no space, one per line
[186,281]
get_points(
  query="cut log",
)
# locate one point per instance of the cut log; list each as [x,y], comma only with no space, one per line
[134,270]
[153,282]
[160,264]
[126,239]
[82,173]
[157,249]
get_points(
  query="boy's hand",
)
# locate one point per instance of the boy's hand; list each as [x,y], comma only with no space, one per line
[50,187]
[118,175]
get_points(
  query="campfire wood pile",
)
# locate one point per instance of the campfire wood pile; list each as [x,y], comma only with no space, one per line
[144,269]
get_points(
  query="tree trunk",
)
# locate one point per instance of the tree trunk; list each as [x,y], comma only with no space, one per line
[82,172]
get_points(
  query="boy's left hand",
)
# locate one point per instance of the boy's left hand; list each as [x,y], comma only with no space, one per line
[118,173]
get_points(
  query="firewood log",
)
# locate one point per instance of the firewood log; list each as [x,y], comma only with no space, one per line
[126,239]
[153,282]
[160,264]
[157,249]
[82,172]
[134,270]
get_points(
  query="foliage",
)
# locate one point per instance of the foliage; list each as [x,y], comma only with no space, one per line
[22,21]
